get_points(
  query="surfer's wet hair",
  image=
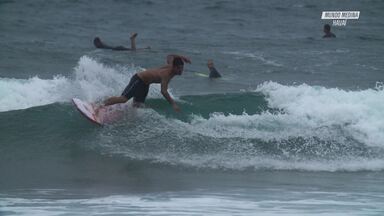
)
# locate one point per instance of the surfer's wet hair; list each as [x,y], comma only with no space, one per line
[327,27]
[177,61]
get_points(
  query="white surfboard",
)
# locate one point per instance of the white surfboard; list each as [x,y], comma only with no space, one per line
[201,74]
[87,110]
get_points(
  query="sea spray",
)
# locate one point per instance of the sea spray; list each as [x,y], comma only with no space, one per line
[91,81]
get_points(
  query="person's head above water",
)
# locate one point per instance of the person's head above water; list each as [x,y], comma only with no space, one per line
[327,28]
[97,42]
[327,31]
[177,65]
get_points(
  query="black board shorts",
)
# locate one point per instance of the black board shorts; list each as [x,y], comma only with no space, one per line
[137,89]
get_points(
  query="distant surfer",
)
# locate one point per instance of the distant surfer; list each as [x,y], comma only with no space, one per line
[213,73]
[327,31]
[99,44]
[139,84]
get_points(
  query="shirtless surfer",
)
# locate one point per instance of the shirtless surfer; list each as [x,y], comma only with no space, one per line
[139,84]
[99,44]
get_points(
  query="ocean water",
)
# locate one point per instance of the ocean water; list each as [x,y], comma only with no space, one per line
[294,127]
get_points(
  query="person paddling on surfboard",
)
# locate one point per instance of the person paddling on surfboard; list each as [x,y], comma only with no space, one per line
[138,86]
[99,44]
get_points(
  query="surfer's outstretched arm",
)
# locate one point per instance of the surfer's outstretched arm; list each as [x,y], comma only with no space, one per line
[164,92]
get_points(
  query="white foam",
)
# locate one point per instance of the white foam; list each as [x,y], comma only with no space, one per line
[255,55]
[21,94]
[193,203]
[91,81]
[305,111]
[332,122]
[359,113]
[243,162]
[265,126]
